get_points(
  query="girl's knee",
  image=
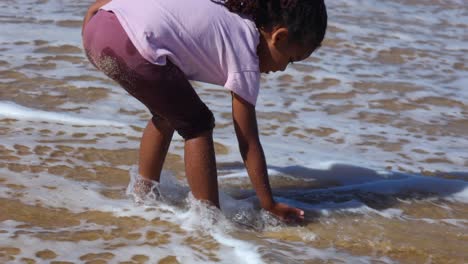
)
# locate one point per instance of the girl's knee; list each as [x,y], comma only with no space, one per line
[203,124]
[161,124]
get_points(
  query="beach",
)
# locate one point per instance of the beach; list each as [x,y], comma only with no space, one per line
[368,136]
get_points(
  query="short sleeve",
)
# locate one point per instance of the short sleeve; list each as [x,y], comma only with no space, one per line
[246,84]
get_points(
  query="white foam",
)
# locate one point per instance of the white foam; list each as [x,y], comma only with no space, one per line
[15,111]
[296,253]
[461,196]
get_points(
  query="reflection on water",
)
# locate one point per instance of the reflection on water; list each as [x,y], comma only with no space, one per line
[368,136]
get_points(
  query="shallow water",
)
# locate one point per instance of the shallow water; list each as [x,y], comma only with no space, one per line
[368,136]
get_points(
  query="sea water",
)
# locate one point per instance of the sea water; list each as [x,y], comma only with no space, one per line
[368,136]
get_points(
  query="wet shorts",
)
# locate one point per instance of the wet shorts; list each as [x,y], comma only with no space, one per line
[163,89]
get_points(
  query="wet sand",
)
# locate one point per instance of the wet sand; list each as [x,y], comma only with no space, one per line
[368,136]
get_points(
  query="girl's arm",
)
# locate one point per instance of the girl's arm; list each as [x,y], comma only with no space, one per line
[245,124]
[92,10]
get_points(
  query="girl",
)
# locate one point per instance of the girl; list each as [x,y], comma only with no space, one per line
[152,48]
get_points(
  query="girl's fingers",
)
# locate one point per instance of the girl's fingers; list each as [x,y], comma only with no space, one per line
[300,213]
[287,213]
[293,215]
[296,214]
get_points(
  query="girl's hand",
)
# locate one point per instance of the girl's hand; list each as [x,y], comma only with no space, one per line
[286,213]
[92,10]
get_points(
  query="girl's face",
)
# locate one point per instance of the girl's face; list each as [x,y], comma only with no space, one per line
[275,51]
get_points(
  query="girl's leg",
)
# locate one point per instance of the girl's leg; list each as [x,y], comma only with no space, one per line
[200,167]
[153,148]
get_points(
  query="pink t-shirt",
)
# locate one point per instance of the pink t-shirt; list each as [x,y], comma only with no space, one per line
[204,39]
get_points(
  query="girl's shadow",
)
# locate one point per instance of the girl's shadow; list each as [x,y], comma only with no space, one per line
[344,187]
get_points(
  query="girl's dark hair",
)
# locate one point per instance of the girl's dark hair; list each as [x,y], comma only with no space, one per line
[306,20]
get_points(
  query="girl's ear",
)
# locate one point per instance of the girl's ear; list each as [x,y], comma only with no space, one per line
[280,36]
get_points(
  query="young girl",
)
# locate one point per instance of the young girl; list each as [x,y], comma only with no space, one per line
[152,48]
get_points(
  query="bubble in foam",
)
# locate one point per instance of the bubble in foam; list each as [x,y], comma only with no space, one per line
[142,190]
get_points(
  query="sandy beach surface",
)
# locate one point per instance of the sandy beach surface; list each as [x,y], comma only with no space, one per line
[368,136]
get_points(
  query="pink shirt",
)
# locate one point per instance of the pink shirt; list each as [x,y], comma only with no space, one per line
[204,39]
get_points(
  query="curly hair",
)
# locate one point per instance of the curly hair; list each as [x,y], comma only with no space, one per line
[306,20]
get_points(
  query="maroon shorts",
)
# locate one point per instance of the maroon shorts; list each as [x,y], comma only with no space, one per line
[164,90]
